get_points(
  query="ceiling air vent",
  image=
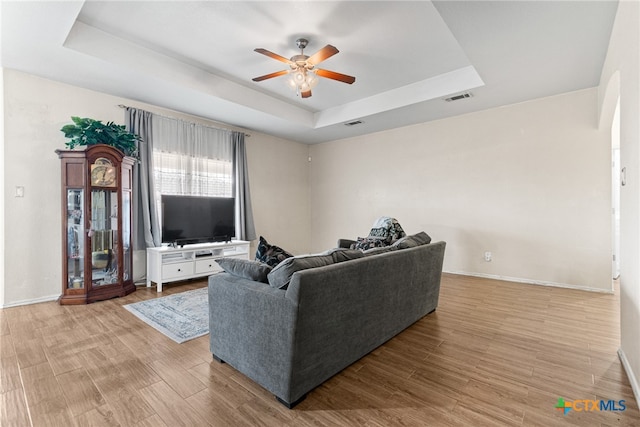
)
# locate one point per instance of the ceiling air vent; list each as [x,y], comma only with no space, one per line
[353,123]
[459,97]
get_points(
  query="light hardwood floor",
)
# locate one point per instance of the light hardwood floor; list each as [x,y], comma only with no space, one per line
[494,353]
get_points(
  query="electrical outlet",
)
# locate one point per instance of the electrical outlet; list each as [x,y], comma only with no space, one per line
[487,256]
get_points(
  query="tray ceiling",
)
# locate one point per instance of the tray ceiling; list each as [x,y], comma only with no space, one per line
[198,57]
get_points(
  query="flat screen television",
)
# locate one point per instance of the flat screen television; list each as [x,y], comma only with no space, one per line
[189,219]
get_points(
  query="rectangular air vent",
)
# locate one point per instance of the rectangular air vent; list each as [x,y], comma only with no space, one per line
[353,123]
[458,97]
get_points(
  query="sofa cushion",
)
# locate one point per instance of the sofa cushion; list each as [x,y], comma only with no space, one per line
[378,251]
[252,270]
[345,243]
[342,254]
[281,274]
[270,254]
[412,241]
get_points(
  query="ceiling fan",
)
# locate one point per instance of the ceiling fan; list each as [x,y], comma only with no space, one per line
[303,72]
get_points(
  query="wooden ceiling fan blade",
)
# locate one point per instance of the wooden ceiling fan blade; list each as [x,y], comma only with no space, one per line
[274,55]
[306,94]
[270,76]
[335,76]
[326,52]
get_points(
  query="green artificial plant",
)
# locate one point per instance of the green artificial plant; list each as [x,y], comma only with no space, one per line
[86,131]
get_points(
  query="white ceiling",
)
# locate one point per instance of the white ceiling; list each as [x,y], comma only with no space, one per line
[197,57]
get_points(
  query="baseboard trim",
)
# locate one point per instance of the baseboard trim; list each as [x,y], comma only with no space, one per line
[31,301]
[530,281]
[630,375]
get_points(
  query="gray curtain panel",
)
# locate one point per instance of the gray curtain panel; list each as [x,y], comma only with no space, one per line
[245,230]
[146,223]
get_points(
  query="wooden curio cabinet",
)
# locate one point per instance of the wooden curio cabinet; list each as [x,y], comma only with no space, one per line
[96,224]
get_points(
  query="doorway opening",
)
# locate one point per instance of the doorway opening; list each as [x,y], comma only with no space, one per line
[615,191]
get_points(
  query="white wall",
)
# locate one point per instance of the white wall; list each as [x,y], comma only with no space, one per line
[2,239]
[621,76]
[36,109]
[528,182]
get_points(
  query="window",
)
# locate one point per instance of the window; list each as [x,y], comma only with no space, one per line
[191,159]
[176,174]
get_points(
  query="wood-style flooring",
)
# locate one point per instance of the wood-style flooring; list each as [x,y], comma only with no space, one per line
[494,353]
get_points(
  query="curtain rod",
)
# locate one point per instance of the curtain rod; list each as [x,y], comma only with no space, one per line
[126,106]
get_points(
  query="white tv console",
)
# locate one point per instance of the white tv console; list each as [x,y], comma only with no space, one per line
[171,264]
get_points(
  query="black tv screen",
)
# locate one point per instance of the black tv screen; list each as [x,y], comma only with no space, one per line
[189,219]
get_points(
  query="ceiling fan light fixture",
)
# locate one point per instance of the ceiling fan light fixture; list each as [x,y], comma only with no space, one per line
[312,79]
[302,80]
[299,76]
[291,82]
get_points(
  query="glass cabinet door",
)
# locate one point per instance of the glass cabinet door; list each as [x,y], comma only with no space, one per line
[126,235]
[103,237]
[75,239]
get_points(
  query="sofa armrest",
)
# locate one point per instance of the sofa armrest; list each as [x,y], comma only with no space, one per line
[251,327]
[345,243]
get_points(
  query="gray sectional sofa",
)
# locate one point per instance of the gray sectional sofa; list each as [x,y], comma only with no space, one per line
[292,338]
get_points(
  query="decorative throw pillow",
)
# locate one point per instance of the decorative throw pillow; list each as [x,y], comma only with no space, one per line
[365,243]
[270,254]
[252,270]
[412,241]
[280,276]
[342,254]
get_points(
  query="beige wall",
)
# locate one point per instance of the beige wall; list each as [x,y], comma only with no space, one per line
[280,191]
[621,77]
[528,182]
[36,109]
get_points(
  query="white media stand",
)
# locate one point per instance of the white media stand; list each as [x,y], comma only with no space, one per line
[171,264]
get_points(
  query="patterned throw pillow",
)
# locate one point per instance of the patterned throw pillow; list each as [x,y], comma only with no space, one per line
[270,254]
[365,243]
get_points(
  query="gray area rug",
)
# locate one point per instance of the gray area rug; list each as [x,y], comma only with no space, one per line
[181,317]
